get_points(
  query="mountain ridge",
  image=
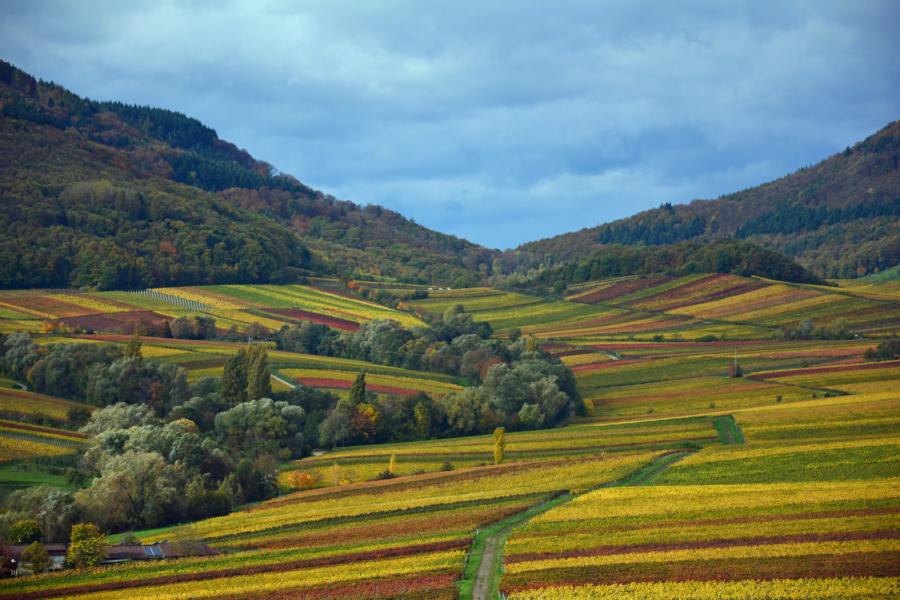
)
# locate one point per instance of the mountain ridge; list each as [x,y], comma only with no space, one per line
[838,216]
[151,144]
[132,196]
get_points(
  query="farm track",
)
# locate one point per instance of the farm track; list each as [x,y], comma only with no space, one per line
[481,577]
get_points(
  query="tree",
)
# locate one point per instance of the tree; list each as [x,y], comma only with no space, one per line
[259,378]
[234,378]
[261,426]
[358,389]
[499,445]
[87,547]
[468,411]
[136,489]
[25,531]
[335,428]
[119,416]
[37,555]
[133,349]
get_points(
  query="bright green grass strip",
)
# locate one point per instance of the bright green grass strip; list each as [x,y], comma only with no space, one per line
[18,475]
[728,430]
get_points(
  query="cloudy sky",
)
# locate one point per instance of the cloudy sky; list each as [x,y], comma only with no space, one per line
[501,122]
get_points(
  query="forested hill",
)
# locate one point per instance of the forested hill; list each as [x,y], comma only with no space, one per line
[104,194]
[838,217]
[685,258]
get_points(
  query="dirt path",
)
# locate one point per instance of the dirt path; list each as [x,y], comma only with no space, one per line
[284,381]
[484,578]
[481,576]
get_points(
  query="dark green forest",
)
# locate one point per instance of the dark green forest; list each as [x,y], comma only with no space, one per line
[727,256]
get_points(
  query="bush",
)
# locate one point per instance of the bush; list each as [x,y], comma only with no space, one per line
[301,480]
[37,555]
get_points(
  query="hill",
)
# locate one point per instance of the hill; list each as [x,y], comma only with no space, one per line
[838,217]
[109,195]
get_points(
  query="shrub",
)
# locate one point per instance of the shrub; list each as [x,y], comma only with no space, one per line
[301,480]
[37,555]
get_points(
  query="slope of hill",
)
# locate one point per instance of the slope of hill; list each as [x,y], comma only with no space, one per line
[168,202]
[838,217]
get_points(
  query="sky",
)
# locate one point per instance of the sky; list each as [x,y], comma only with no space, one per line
[499,122]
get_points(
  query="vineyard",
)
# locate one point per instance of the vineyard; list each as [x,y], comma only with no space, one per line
[232,306]
[680,481]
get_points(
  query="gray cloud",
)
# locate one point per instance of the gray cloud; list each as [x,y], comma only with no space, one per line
[502,121]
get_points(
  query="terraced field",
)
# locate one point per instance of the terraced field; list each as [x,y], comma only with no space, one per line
[809,508]
[743,300]
[21,440]
[238,306]
[583,441]
[406,536]
[19,404]
[682,482]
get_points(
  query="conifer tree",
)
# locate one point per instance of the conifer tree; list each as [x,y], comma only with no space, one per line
[358,389]
[259,378]
[234,379]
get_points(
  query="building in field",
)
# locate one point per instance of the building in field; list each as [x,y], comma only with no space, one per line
[12,564]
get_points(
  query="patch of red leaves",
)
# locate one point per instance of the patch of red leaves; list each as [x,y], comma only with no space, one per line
[623,288]
[418,587]
[118,322]
[305,315]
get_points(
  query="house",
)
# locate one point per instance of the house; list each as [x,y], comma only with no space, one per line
[12,564]
[125,552]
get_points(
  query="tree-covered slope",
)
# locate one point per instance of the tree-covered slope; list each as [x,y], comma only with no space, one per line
[685,258]
[838,217]
[72,214]
[149,151]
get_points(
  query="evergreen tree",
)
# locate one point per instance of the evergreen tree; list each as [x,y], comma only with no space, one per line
[234,379]
[259,378]
[133,349]
[358,389]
